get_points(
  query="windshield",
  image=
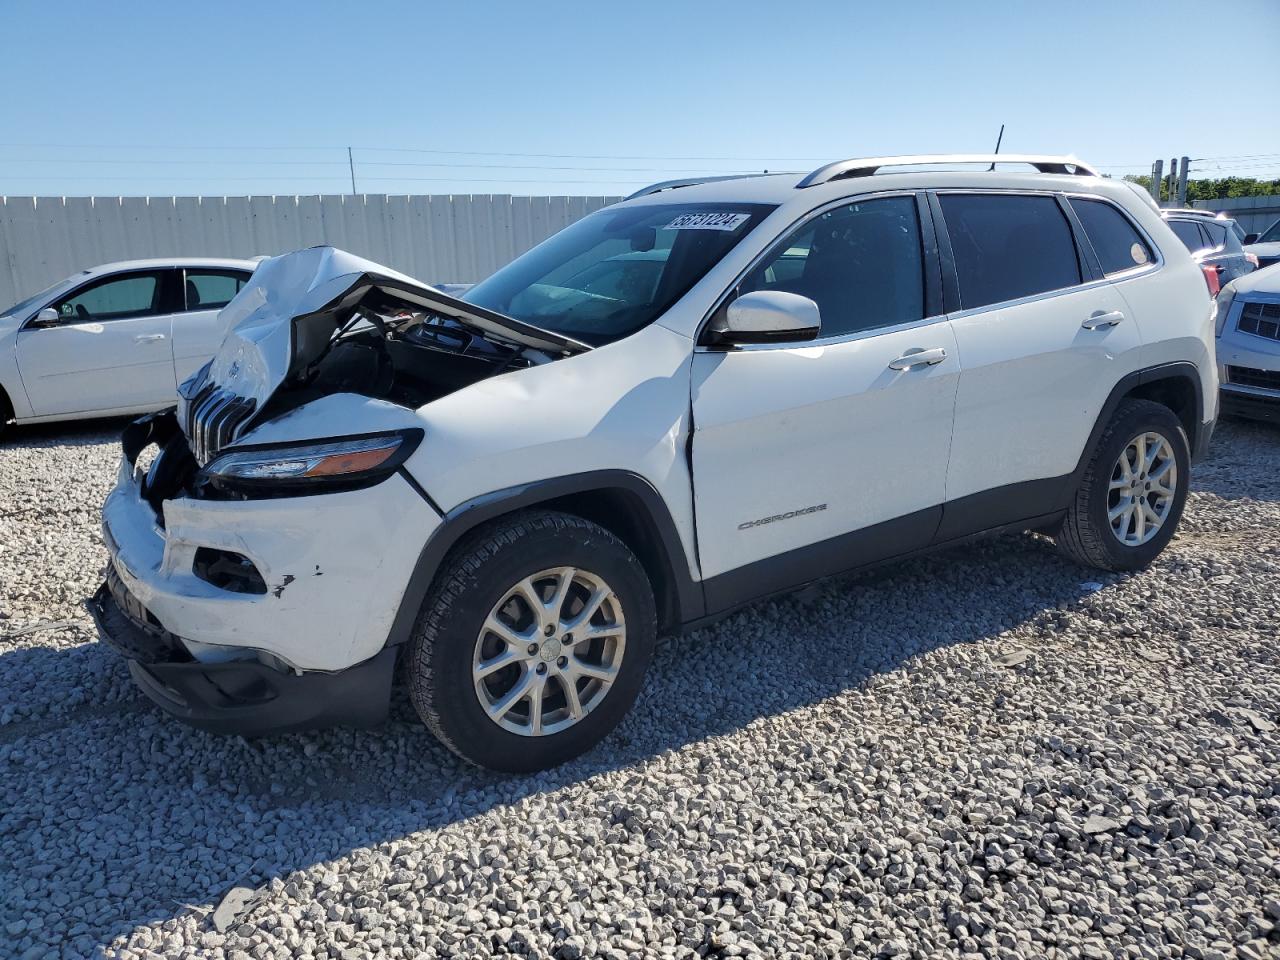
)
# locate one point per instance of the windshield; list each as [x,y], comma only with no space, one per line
[616,271]
[23,305]
[1272,235]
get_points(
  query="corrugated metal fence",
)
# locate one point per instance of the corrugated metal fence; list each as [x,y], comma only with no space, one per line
[438,239]
[1254,214]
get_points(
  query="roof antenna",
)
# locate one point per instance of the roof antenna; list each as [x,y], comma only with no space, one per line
[997,149]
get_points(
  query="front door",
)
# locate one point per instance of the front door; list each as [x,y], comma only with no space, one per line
[810,458]
[108,350]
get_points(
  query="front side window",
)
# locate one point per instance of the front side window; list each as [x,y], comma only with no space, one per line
[861,263]
[618,270]
[212,289]
[1189,233]
[1008,247]
[113,298]
[1115,240]
[1272,234]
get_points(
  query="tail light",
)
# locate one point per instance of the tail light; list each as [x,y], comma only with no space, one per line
[1252,258]
[1211,279]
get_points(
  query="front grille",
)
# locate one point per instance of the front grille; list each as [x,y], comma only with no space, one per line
[1251,377]
[211,416]
[1260,319]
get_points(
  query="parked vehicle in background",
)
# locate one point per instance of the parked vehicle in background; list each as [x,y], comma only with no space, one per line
[1214,241]
[709,393]
[114,339]
[1249,345]
[1265,246]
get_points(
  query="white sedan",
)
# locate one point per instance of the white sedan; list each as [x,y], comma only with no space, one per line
[114,339]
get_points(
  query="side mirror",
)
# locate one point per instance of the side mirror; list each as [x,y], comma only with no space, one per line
[47,317]
[1250,238]
[767,316]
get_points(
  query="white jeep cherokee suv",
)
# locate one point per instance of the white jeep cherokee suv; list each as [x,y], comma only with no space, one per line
[707,394]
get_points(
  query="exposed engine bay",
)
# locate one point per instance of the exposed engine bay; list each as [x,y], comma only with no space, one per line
[406,356]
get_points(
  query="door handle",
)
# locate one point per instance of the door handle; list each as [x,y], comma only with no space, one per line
[148,337]
[919,357]
[1101,319]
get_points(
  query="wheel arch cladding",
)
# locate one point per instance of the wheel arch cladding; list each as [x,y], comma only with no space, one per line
[623,503]
[1174,385]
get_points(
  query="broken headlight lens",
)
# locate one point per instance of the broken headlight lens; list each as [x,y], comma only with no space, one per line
[349,462]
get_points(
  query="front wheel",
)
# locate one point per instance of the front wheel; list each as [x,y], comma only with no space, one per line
[533,643]
[1132,494]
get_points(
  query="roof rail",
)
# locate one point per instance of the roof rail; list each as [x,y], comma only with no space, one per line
[865,167]
[1195,212]
[690,182]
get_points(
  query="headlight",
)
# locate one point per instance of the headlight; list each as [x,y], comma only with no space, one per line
[1224,299]
[314,467]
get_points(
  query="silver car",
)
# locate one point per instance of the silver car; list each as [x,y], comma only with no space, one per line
[1249,345]
[1215,241]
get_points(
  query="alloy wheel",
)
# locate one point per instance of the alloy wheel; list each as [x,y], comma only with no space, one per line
[549,651]
[1144,482]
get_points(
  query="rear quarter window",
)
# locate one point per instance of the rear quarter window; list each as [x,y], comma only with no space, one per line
[1115,240]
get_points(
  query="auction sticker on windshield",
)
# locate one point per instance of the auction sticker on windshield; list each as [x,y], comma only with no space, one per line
[708,221]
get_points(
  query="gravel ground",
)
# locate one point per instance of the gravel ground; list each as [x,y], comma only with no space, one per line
[988,752]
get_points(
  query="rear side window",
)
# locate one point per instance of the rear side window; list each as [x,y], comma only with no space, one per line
[1008,247]
[1217,234]
[1115,240]
[1189,233]
[212,289]
[861,263]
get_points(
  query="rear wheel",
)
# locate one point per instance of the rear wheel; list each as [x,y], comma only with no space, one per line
[1129,502]
[533,643]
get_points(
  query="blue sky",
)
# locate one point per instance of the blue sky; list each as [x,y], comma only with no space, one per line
[591,98]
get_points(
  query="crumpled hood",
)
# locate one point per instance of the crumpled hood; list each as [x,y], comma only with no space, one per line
[284,317]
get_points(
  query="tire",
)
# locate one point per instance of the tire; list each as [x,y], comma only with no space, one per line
[452,641]
[1088,535]
[6,415]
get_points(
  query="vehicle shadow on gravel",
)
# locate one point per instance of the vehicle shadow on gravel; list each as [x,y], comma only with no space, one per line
[1230,468]
[120,816]
[72,433]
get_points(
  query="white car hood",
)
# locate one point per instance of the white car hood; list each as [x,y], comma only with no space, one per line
[283,318]
[1267,250]
[1266,280]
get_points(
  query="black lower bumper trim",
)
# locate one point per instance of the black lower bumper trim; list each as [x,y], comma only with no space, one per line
[247,697]
[1250,406]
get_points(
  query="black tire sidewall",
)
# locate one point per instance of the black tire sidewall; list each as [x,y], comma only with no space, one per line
[1148,418]
[467,728]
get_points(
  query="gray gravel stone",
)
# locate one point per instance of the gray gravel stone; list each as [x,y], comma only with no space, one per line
[813,777]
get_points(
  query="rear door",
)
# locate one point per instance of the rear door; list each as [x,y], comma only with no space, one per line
[814,457]
[196,331]
[108,350]
[1043,338]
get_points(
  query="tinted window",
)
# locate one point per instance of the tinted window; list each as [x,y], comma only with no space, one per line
[1007,247]
[113,299]
[860,263]
[1117,243]
[1217,233]
[1189,234]
[212,289]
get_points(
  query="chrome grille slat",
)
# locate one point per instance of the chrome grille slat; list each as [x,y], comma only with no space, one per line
[211,415]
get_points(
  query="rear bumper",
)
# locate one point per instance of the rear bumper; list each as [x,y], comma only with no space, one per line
[246,697]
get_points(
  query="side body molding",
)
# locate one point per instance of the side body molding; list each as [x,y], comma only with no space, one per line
[680,599]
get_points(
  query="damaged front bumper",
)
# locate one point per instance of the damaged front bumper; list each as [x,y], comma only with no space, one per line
[308,649]
[238,697]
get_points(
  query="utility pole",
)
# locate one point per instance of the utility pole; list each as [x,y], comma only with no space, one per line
[352,164]
[1182,181]
[1173,180]
[1157,176]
